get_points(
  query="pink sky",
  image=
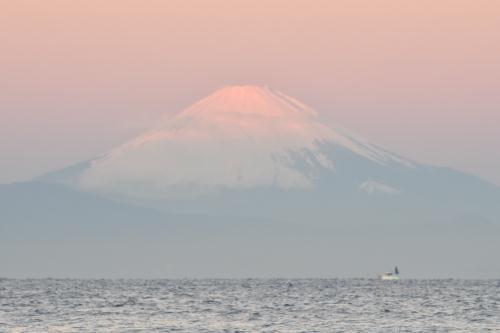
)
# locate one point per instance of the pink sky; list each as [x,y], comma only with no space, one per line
[421,78]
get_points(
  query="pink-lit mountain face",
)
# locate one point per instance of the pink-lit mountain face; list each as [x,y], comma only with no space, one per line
[240,137]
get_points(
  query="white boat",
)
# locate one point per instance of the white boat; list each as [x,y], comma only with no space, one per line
[391,276]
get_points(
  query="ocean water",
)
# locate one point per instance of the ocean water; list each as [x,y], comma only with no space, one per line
[253,305]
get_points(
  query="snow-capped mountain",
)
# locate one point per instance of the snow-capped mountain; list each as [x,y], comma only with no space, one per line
[240,137]
[254,151]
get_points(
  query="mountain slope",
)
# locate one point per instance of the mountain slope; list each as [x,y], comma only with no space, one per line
[237,138]
[252,151]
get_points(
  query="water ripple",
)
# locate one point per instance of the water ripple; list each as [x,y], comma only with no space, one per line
[252,305]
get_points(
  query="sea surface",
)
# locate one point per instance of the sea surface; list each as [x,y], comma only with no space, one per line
[253,305]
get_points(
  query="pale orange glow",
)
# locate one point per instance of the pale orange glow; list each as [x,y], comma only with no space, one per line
[93,73]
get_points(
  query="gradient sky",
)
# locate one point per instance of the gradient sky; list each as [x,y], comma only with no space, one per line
[421,78]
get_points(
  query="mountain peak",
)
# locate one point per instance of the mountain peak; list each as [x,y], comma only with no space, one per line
[239,137]
[242,89]
[250,100]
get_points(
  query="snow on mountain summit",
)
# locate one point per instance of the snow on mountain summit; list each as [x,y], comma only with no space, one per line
[250,100]
[238,137]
